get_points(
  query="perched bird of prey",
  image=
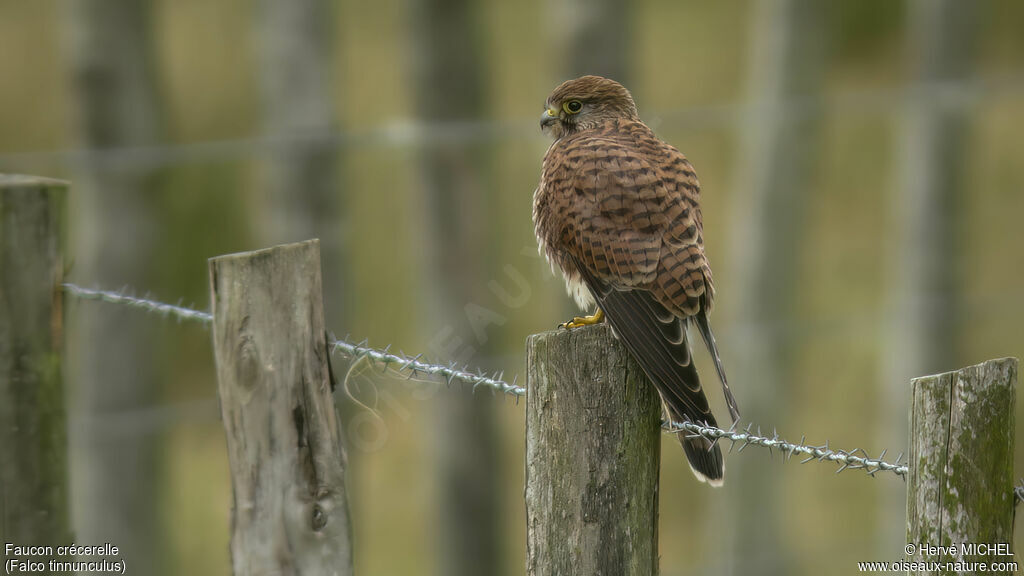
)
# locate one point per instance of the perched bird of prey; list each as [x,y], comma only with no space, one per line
[617,212]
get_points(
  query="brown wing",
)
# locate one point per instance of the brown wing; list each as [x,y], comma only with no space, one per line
[628,232]
[684,278]
[683,281]
[684,284]
[657,339]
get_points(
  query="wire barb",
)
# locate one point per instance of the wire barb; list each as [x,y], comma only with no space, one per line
[847,460]
[414,365]
[122,297]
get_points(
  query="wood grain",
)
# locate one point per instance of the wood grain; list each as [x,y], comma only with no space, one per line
[960,487]
[33,430]
[285,448]
[593,441]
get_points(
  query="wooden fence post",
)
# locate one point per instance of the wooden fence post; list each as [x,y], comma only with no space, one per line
[960,489]
[33,432]
[593,443]
[285,447]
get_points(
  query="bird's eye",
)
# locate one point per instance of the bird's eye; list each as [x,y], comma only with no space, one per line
[572,106]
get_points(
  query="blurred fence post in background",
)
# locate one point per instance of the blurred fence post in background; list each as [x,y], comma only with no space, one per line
[593,455]
[960,489]
[285,447]
[447,69]
[33,431]
[925,303]
[781,133]
[114,92]
[303,195]
[593,37]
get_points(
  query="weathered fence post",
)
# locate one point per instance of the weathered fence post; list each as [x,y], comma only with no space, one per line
[290,513]
[960,489]
[33,433]
[592,457]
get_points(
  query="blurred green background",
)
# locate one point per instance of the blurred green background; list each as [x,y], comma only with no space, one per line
[862,181]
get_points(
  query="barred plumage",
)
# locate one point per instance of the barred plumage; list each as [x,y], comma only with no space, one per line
[617,211]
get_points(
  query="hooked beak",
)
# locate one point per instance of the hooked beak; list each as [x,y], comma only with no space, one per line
[548,118]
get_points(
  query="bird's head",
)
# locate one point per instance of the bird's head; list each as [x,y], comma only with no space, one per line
[584,103]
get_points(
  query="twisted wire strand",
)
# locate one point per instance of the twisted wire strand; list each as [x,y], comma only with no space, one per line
[847,459]
[413,366]
[176,310]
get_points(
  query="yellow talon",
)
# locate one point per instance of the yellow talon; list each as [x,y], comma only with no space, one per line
[579,321]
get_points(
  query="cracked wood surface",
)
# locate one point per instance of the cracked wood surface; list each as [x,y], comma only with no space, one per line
[593,438]
[960,485]
[285,448]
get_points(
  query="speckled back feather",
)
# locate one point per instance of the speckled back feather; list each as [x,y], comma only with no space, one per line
[626,204]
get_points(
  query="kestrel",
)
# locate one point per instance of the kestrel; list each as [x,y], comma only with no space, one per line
[617,212]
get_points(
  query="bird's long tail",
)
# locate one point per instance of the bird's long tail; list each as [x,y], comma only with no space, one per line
[701,320]
[705,459]
[657,339]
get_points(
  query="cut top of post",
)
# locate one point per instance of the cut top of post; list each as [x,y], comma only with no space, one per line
[297,247]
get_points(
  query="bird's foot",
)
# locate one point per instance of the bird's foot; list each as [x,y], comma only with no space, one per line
[579,321]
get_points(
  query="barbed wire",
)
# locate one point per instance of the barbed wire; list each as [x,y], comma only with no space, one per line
[847,459]
[859,323]
[410,132]
[413,366]
[163,309]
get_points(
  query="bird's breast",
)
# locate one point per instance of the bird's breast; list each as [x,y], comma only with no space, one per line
[545,227]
